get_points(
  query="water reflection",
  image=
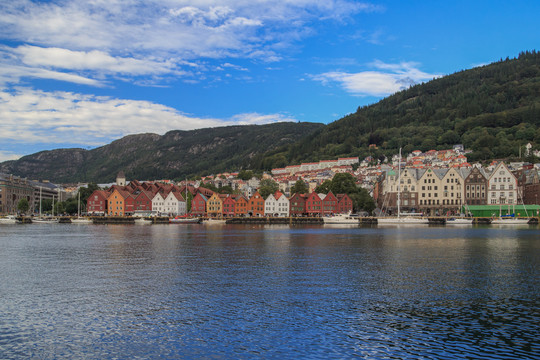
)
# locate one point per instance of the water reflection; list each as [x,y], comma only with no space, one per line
[192,291]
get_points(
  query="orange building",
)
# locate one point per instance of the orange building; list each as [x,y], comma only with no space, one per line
[256,205]
[116,202]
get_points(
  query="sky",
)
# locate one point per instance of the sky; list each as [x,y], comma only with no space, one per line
[84,73]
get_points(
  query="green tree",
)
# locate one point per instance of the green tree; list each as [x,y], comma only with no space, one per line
[267,187]
[23,206]
[324,188]
[299,187]
[245,174]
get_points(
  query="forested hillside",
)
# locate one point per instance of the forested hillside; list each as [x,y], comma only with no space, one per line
[177,154]
[493,110]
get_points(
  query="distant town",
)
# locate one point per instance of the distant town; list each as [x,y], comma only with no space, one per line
[435,182]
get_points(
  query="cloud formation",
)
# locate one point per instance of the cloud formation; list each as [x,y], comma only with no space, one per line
[386,80]
[30,116]
[154,37]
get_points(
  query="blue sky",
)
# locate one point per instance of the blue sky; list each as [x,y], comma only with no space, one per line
[84,73]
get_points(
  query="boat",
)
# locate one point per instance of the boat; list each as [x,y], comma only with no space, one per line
[9,219]
[410,219]
[402,218]
[79,219]
[211,221]
[341,219]
[45,220]
[82,220]
[184,219]
[459,221]
[142,221]
[509,220]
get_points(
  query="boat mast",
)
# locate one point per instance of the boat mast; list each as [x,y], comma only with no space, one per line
[399,184]
[40,202]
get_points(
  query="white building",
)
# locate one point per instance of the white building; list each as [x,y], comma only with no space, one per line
[502,186]
[276,205]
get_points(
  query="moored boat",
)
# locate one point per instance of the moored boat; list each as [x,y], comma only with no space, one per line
[341,219]
[509,220]
[143,221]
[9,219]
[459,221]
[184,219]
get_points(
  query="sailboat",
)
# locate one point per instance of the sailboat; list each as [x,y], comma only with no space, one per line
[79,219]
[412,219]
[509,219]
[42,220]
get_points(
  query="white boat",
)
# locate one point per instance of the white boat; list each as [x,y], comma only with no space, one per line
[79,219]
[82,220]
[459,221]
[502,220]
[410,220]
[407,218]
[143,221]
[185,220]
[42,220]
[214,222]
[341,219]
[9,219]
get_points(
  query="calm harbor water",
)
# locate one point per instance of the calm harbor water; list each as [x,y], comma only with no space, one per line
[242,292]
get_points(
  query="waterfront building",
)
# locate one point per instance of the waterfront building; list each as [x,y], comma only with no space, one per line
[198,204]
[143,203]
[502,186]
[329,204]
[345,204]
[256,205]
[12,190]
[116,202]
[276,205]
[297,204]
[228,206]
[476,185]
[313,204]
[214,206]
[241,206]
[97,203]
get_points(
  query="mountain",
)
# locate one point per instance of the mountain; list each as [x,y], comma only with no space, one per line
[493,110]
[176,154]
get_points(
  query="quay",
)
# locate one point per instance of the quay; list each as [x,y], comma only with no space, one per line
[276,220]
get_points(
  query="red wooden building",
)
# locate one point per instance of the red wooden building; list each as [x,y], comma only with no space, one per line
[297,204]
[329,204]
[198,205]
[345,204]
[313,205]
[97,203]
[256,205]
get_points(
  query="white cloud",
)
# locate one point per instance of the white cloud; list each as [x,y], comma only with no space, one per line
[8,155]
[389,79]
[34,116]
[182,28]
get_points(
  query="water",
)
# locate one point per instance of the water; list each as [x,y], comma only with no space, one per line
[244,292]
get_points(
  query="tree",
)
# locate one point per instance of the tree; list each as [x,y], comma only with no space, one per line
[299,187]
[267,187]
[324,188]
[23,206]
[245,174]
